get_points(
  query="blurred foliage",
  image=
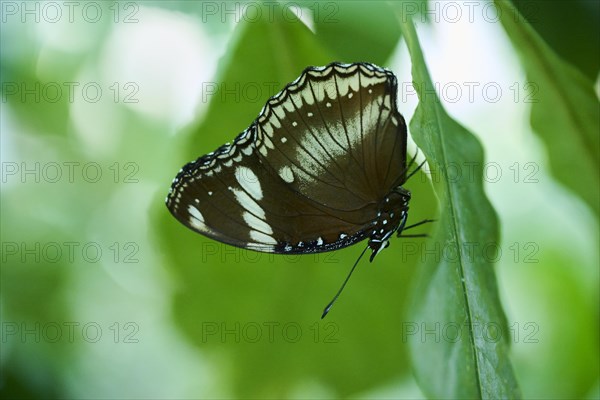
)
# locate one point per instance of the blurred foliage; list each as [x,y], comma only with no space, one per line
[567,333]
[40,84]
[349,41]
[567,113]
[579,18]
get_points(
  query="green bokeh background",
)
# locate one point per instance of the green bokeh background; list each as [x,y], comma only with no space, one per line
[181,316]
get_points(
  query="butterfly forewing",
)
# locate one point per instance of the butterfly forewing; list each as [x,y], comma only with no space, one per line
[309,173]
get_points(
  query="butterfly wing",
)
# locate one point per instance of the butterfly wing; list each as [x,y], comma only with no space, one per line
[309,173]
[337,130]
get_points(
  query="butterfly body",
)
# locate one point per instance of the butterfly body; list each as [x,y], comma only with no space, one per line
[319,169]
[391,217]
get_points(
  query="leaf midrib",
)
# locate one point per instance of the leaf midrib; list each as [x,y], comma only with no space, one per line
[451,199]
[455,224]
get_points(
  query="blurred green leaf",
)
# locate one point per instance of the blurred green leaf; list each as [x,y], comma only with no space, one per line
[553,309]
[580,18]
[356,30]
[457,296]
[39,83]
[567,110]
[33,287]
[40,106]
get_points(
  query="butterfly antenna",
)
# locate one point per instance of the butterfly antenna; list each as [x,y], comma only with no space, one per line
[407,168]
[326,310]
[414,171]
[413,159]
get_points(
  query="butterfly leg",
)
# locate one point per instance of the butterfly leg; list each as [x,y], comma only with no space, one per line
[425,221]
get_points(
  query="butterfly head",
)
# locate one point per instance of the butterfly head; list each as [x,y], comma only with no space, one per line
[391,217]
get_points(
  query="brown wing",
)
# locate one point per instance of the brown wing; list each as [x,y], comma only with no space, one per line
[309,173]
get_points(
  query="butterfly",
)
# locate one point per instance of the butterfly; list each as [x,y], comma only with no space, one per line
[319,169]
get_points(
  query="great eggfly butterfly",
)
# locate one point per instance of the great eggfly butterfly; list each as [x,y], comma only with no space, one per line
[321,168]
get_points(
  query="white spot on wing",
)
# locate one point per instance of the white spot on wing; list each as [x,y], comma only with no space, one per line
[279,112]
[261,237]
[249,181]
[194,212]
[268,143]
[268,128]
[247,150]
[342,86]
[353,83]
[248,203]
[330,90]
[257,223]
[289,106]
[286,174]
[308,98]
[197,219]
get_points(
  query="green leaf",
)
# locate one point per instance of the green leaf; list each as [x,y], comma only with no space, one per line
[580,18]
[567,110]
[458,335]
[373,39]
